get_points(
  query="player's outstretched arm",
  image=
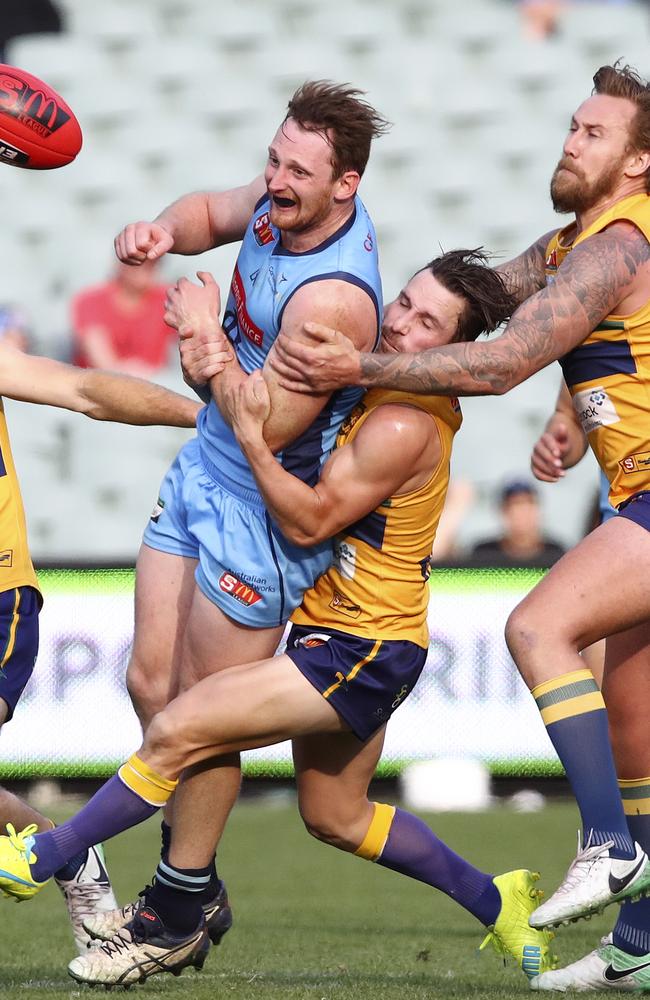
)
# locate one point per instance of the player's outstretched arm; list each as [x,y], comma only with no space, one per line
[194,223]
[562,443]
[396,450]
[591,282]
[526,274]
[100,395]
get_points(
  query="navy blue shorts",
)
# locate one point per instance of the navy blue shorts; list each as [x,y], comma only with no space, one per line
[365,680]
[19,610]
[637,509]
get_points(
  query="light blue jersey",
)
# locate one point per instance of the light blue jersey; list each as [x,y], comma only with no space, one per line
[209,506]
[266,277]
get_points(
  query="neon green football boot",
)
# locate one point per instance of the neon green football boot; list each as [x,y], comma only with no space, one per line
[511,933]
[16,855]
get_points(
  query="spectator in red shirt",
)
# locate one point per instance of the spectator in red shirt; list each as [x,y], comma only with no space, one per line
[119,325]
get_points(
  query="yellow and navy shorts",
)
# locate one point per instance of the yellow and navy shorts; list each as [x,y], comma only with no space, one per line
[365,680]
[637,508]
[19,610]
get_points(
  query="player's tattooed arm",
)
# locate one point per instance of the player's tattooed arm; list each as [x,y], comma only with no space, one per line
[591,282]
[526,274]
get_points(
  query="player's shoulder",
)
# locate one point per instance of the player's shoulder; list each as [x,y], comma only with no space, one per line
[397,425]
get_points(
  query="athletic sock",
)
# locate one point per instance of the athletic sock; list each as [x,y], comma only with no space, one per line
[71,867]
[404,843]
[176,896]
[632,930]
[573,711]
[214,885]
[128,798]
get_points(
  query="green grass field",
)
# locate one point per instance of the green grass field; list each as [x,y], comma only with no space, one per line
[311,922]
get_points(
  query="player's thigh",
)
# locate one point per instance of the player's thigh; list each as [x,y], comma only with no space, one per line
[626,690]
[164,590]
[596,589]
[333,772]
[213,641]
[238,708]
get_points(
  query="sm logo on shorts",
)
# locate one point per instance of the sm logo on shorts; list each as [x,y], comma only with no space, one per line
[239,590]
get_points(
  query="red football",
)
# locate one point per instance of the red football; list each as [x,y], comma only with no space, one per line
[38,130]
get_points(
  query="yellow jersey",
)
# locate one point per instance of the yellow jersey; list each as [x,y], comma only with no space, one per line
[16,568]
[608,374]
[377,585]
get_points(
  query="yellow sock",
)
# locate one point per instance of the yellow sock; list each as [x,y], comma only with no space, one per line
[145,782]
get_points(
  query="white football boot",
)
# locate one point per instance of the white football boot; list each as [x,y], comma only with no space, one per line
[87,895]
[593,881]
[606,968]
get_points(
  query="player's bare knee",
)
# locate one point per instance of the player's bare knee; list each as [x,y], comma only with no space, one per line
[147,694]
[523,640]
[329,829]
[164,746]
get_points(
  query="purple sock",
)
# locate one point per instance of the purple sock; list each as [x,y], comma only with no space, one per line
[111,810]
[413,849]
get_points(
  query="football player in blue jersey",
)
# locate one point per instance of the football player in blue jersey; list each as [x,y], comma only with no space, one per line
[216,580]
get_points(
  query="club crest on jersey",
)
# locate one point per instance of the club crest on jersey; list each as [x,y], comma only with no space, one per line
[236,588]
[344,605]
[262,230]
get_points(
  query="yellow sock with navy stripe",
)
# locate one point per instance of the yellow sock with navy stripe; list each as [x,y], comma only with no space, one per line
[398,840]
[128,798]
[573,711]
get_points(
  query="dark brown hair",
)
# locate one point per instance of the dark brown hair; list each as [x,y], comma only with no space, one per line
[337,111]
[488,303]
[623,81]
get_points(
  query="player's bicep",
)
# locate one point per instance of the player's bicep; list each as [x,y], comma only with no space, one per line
[334,303]
[229,212]
[589,285]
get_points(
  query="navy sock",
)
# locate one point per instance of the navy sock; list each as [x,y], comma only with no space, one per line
[207,894]
[111,810]
[176,896]
[413,849]
[166,840]
[632,929]
[573,712]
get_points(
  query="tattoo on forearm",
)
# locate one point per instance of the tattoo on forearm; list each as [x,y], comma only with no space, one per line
[525,274]
[589,285]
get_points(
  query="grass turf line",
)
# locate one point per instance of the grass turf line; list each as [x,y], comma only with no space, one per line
[313,923]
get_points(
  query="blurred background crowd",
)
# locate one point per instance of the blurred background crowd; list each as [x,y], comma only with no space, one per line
[178,95]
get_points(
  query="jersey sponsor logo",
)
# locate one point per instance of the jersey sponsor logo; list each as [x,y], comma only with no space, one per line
[368,243]
[33,108]
[244,322]
[11,154]
[344,605]
[236,588]
[400,696]
[6,558]
[345,558]
[594,409]
[262,230]
[636,463]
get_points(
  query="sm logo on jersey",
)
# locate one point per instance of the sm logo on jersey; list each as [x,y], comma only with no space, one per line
[262,230]
[239,590]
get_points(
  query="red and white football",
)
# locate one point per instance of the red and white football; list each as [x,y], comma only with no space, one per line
[38,131]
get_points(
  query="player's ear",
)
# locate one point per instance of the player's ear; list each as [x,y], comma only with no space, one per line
[639,163]
[346,185]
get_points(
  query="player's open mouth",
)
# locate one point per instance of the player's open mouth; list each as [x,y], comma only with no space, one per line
[283,202]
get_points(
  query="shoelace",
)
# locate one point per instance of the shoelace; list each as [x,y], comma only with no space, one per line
[117,945]
[83,899]
[587,855]
[18,839]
